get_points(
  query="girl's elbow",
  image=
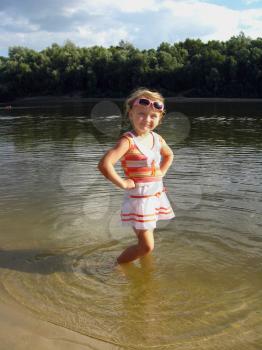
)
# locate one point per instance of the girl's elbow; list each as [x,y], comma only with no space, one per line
[100,166]
[103,166]
[171,156]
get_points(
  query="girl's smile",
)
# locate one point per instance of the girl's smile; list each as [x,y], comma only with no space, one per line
[144,119]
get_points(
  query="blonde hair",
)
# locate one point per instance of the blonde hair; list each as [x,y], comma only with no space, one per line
[152,95]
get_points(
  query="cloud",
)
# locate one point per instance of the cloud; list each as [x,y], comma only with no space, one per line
[197,19]
[123,6]
[251,2]
[145,23]
[15,24]
[176,21]
[251,22]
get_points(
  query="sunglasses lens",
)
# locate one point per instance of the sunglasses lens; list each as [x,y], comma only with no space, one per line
[144,102]
[158,105]
[147,102]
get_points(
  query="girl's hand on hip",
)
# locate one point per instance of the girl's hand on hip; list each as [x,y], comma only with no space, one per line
[128,184]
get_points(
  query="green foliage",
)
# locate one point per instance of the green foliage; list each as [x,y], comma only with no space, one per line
[192,68]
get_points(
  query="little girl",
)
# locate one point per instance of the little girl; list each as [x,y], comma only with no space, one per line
[145,158]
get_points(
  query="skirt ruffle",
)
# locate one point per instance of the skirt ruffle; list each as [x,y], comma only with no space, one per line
[144,205]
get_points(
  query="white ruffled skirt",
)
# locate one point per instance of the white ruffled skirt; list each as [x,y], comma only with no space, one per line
[144,205]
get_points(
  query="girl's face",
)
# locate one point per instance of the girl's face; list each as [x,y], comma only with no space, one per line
[144,118]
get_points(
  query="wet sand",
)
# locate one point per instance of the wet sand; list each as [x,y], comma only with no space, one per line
[21,331]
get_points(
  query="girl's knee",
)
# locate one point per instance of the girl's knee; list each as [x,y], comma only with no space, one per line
[145,241]
[146,247]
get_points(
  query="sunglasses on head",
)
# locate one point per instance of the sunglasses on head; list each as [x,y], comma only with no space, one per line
[146,102]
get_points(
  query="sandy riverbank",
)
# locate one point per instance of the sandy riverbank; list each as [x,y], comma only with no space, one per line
[21,331]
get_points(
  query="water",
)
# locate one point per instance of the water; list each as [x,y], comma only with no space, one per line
[60,232]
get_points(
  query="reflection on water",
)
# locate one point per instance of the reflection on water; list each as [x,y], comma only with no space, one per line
[60,231]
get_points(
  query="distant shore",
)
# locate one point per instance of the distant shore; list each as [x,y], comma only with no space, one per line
[77,99]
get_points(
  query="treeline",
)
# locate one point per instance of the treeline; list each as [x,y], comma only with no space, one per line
[191,68]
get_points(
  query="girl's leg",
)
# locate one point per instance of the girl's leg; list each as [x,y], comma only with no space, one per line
[144,246]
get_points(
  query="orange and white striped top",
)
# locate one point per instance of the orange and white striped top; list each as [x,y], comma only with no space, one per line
[140,163]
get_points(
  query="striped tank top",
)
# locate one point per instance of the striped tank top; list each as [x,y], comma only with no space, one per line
[140,163]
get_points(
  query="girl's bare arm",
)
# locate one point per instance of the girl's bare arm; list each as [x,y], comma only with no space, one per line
[106,164]
[167,157]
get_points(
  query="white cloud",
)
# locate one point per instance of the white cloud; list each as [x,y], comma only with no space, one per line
[125,6]
[207,20]
[145,23]
[251,2]
[251,22]
[199,19]
[15,22]
[86,36]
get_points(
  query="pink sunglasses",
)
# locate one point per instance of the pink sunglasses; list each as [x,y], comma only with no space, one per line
[146,102]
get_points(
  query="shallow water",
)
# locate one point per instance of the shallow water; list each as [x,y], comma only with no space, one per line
[60,231]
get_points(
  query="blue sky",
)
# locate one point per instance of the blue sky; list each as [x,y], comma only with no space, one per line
[238,5]
[147,23]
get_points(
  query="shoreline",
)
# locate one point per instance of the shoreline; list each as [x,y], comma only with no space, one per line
[31,332]
[77,99]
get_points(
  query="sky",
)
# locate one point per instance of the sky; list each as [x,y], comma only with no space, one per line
[144,23]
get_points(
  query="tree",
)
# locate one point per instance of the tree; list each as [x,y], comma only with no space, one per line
[232,68]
